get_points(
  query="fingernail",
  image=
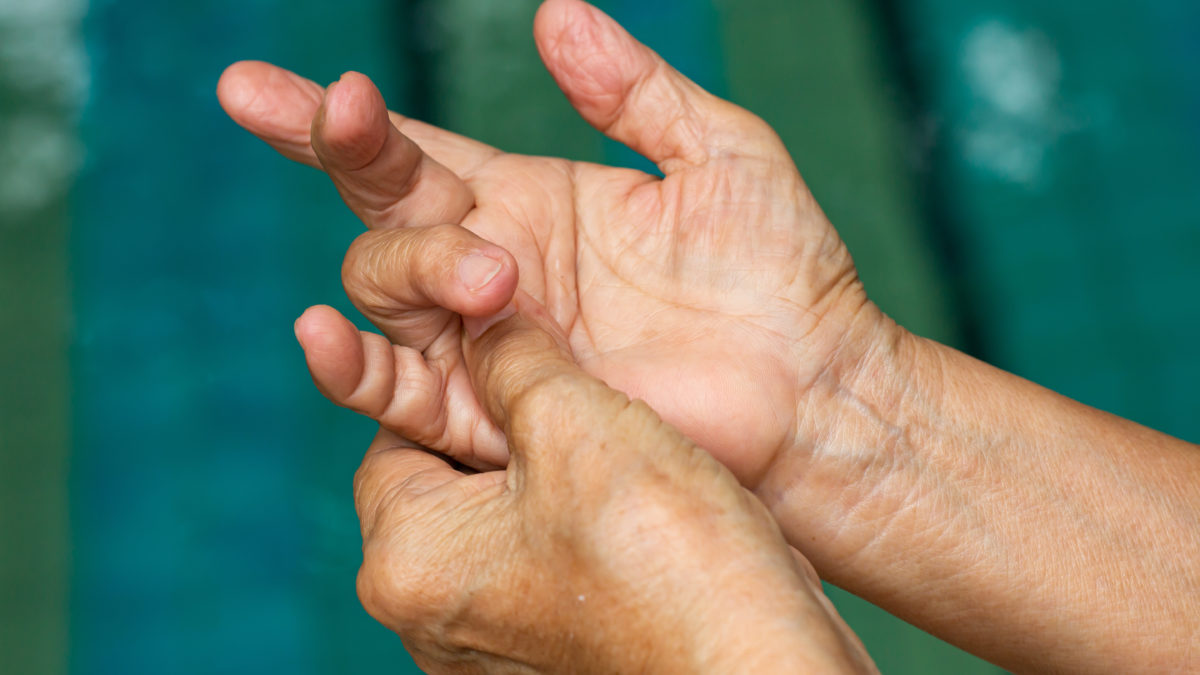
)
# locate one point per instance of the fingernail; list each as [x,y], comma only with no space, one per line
[478,325]
[476,271]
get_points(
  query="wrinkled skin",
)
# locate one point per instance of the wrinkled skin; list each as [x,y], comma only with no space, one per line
[718,294]
[610,544]
[905,471]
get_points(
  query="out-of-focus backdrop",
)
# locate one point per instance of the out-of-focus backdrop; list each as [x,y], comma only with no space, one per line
[1018,178]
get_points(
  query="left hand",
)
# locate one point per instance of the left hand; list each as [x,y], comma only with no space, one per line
[720,294]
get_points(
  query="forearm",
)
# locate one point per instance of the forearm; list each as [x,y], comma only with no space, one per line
[1023,526]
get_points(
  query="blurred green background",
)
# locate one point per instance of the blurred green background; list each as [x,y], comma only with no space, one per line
[1017,178]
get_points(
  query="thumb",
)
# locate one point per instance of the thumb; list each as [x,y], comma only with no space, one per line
[550,409]
[514,354]
[624,89]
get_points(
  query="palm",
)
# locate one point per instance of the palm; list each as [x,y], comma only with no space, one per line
[707,293]
[690,292]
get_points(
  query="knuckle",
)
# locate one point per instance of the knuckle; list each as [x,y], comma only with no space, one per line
[559,410]
[410,400]
[378,488]
[519,353]
[441,248]
[397,590]
[445,236]
[368,492]
[362,272]
[370,589]
[544,394]
[384,269]
[418,393]
[428,425]
[352,262]
[408,582]
[372,404]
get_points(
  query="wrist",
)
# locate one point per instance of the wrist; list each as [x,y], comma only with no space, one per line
[944,489]
[852,441]
[786,627]
[727,614]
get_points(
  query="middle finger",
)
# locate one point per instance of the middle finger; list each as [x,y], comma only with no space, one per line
[383,176]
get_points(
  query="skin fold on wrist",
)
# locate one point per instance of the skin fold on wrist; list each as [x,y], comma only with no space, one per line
[1000,516]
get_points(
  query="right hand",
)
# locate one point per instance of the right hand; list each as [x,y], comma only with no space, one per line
[611,543]
[720,294]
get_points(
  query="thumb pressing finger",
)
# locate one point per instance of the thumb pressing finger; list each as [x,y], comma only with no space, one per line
[549,408]
[516,353]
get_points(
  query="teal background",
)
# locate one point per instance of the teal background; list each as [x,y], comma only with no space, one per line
[1016,178]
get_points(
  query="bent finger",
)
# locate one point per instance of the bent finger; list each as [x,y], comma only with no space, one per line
[278,106]
[398,388]
[626,90]
[367,374]
[411,282]
[383,176]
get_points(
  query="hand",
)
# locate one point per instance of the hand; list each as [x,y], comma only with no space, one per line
[906,472]
[718,294]
[610,544]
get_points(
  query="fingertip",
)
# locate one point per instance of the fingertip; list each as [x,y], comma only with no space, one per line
[229,89]
[546,17]
[489,278]
[239,85]
[568,32]
[553,17]
[352,126]
[333,350]
[272,103]
[594,60]
[316,322]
